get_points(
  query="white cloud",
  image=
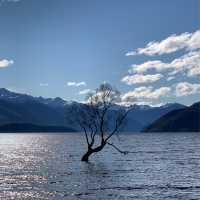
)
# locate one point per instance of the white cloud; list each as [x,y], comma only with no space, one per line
[130,103]
[194,71]
[194,42]
[139,78]
[76,84]
[185,88]
[83,92]
[189,62]
[188,41]
[149,103]
[144,67]
[44,84]
[170,78]
[145,93]
[5,63]
[150,71]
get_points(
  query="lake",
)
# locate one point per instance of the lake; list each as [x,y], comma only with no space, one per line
[47,166]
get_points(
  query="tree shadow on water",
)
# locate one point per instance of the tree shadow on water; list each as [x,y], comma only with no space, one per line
[96,170]
[99,180]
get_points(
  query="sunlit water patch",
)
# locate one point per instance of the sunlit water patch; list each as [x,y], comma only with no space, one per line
[47,166]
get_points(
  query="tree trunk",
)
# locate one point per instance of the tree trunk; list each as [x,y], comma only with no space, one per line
[91,151]
[86,156]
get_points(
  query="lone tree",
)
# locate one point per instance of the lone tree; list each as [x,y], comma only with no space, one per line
[99,118]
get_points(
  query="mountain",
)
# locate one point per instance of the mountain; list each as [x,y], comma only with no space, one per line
[23,108]
[21,98]
[181,120]
[28,128]
[141,116]
[30,111]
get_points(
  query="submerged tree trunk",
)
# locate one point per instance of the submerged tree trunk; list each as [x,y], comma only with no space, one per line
[90,151]
[86,156]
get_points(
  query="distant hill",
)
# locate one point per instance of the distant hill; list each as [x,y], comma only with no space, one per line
[21,98]
[181,120]
[28,128]
[143,115]
[23,108]
[30,111]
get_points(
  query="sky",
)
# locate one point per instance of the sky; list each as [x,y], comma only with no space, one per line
[149,50]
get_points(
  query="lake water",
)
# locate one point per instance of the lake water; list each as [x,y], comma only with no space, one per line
[47,166]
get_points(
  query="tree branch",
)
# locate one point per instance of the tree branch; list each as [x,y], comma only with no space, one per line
[118,124]
[85,132]
[115,147]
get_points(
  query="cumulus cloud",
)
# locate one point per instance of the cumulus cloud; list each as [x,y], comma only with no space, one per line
[5,63]
[185,88]
[76,84]
[153,70]
[145,93]
[187,41]
[139,78]
[83,92]
[189,62]
[144,67]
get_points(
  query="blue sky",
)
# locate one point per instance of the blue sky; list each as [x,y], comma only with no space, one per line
[68,47]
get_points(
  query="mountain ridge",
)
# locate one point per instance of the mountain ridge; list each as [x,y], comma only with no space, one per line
[180,120]
[23,108]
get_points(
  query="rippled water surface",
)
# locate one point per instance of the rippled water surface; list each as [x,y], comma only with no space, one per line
[47,166]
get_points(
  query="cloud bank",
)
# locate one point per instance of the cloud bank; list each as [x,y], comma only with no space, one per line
[187,41]
[185,88]
[139,78]
[190,63]
[146,93]
[187,66]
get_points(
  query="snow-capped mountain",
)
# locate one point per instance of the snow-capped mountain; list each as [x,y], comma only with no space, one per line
[20,98]
[23,108]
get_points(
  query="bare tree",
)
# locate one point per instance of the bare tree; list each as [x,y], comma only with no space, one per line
[93,117]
